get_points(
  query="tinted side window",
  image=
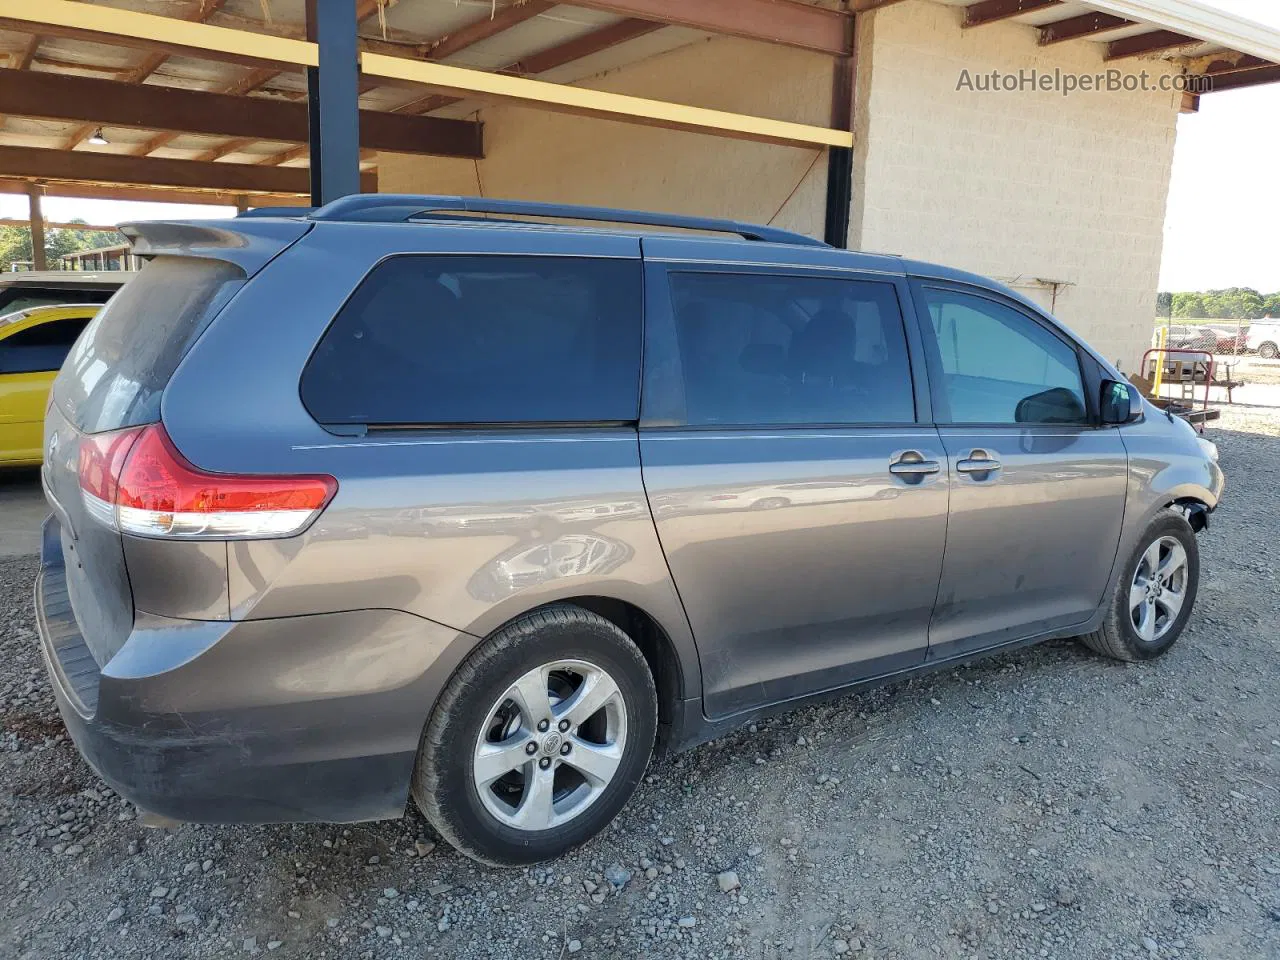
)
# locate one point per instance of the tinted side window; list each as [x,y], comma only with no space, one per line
[497,339]
[40,349]
[1000,366]
[760,349]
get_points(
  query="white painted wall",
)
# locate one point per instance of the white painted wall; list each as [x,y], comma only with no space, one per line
[1024,184]
[1007,185]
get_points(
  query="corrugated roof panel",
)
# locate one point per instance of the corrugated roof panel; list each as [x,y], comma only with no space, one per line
[633,51]
[558,25]
[430,20]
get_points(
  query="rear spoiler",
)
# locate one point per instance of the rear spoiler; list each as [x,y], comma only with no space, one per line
[249,244]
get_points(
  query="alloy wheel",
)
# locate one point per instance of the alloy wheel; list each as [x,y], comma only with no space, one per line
[550,745]
[1159,589]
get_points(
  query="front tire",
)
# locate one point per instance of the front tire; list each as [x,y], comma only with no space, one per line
[1154,593]
[1269,351]
[539,739]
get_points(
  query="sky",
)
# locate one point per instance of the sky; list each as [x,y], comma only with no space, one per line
[1222,228]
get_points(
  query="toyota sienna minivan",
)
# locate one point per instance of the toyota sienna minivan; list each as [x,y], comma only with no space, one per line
[430,497]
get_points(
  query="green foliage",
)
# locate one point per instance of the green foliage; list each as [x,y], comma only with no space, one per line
[1234,303]
[15,243]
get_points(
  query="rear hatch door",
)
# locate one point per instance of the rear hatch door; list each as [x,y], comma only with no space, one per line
[113,379]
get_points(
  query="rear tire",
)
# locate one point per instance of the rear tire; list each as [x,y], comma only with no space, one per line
[1269,351]
[539,739]
[1162,572]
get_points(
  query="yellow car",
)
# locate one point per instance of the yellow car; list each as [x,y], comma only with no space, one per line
[33,344]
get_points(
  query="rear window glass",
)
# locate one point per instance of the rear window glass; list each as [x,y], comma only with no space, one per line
[473,340]
[117,371]
[23,297]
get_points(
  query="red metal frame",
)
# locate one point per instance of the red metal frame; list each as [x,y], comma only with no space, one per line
[1208,381]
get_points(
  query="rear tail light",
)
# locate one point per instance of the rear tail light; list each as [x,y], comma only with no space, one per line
[135,481]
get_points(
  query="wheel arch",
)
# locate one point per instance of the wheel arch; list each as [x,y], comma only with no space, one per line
[669,653]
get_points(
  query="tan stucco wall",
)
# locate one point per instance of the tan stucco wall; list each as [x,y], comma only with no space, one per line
[1024,184]
[1008,185]
[537,155]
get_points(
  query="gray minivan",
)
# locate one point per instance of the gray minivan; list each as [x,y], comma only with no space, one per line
[414,495]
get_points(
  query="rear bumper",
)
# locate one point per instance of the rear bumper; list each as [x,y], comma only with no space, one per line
[303,719]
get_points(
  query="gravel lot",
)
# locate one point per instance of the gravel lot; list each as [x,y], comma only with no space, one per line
[1045,803]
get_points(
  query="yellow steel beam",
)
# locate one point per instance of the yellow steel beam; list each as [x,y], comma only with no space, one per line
[595,103]
[107,24]
[89,21]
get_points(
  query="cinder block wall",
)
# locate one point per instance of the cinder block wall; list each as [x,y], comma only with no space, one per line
[1023,184]
[1005,184]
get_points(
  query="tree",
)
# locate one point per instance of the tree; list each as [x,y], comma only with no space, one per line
[1233,303]
[1164,304]
[15,243]
[1188,305]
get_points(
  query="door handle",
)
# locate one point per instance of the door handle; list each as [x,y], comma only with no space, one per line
[913,466]
[978,461]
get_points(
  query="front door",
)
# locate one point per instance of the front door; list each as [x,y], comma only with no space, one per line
[1038,488]
[800,501]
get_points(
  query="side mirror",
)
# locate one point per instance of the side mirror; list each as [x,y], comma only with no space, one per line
[1120,402]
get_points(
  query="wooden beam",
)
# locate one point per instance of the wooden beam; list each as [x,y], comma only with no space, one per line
[550,58]
[53,96]
[28,53]
[990,11]
[1223,64]
[35,163]
[1143,43]
[39,256]
[106,191]
[866,6]
[785,22]
[50,225]
[149,65]
[788,22]
[253,80]
[486,27]
[582,101]
[1245,78]
[1082,26]
[583,46]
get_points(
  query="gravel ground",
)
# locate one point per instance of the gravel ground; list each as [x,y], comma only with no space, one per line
[1044,803]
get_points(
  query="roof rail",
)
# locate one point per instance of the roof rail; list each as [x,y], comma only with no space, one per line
[276,212]
[398,208]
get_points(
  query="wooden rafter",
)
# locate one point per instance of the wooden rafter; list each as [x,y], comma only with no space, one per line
[991,11]
[253,80]
[52,96]
[149,65]
[108,191]
[1153,42]
[785,22]
[484,28]
[536,63]
[549,59]
[1233,63]
[1085,25]
[32,163]
[28,53]
[1245,78]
